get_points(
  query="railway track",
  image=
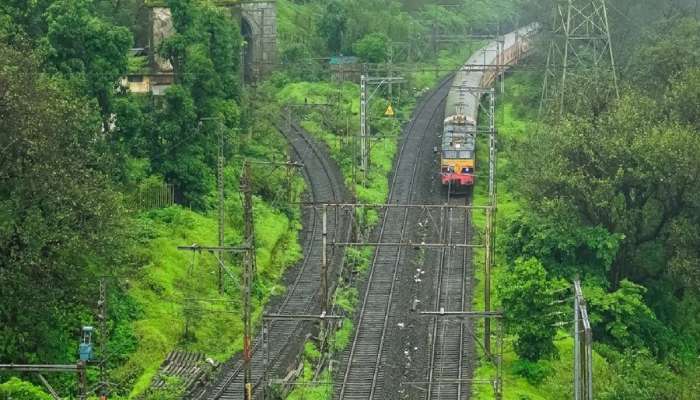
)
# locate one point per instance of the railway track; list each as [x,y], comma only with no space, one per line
[446,374]
[286,337]
[361,366]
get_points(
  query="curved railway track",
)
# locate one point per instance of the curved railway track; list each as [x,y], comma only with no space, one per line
[286,337]
[361,366]
[446,372]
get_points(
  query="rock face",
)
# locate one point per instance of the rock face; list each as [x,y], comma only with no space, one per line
[258,25]
[161,27]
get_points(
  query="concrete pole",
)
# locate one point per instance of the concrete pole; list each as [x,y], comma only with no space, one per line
[220,187]
[487,282]
[577,349]
[363,126]
[248,279]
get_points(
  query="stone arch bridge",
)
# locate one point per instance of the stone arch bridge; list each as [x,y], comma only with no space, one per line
[258,22]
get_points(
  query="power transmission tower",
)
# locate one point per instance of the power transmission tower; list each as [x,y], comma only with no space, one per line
[579,43]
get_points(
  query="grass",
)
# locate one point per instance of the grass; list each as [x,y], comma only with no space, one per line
[171,283]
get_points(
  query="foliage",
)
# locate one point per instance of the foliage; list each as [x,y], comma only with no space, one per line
[526,291]
[341,24]
[372,48]
[659,61]
[174,388]
[343,336]
[332,25]
[563,246]
[622,319]
[22,22]
[179,133]
[534,372]
[60,220]
[637,376]
[651,325]
[311,353]
[346,298]
[17,389]
[204,51]
[608,173]
[166,281]
[88,50]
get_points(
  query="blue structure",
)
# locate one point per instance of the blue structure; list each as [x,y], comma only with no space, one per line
[85,348]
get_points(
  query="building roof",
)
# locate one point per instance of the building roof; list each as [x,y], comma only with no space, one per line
[338,60]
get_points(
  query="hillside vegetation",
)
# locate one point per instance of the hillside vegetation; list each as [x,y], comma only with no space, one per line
[81,159]
[609,194]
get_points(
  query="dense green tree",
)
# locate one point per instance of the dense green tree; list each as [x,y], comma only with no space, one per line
[527,296]
[655,63]
[131,14]
[565,247]
[331,25]
[17,389]
[622,172]
[178,133]
[89,51]
[204,49]
[623,319]
[61,224]
[682,101]
[22,21]
[372,48]
[442,19]
[386,17]
[637,376]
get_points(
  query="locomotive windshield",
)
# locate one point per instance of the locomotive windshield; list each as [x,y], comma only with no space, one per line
[457,154]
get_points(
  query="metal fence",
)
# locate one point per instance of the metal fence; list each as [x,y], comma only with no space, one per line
[151,197]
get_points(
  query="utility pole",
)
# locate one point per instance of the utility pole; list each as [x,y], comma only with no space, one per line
[579,40]
[363,127]
[248,271]
[220,162]
[492,146]
[489,245]
[102,321]
[324,263]
[365,97]
[82,380]
[487,280]
[220,187]
[391,72]
[583,352]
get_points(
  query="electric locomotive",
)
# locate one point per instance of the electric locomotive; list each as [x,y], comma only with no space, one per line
[458,148]
[458,151]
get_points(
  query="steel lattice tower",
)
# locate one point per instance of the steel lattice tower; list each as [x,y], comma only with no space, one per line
[579,42]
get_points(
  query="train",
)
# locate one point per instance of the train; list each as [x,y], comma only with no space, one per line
[459,134]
